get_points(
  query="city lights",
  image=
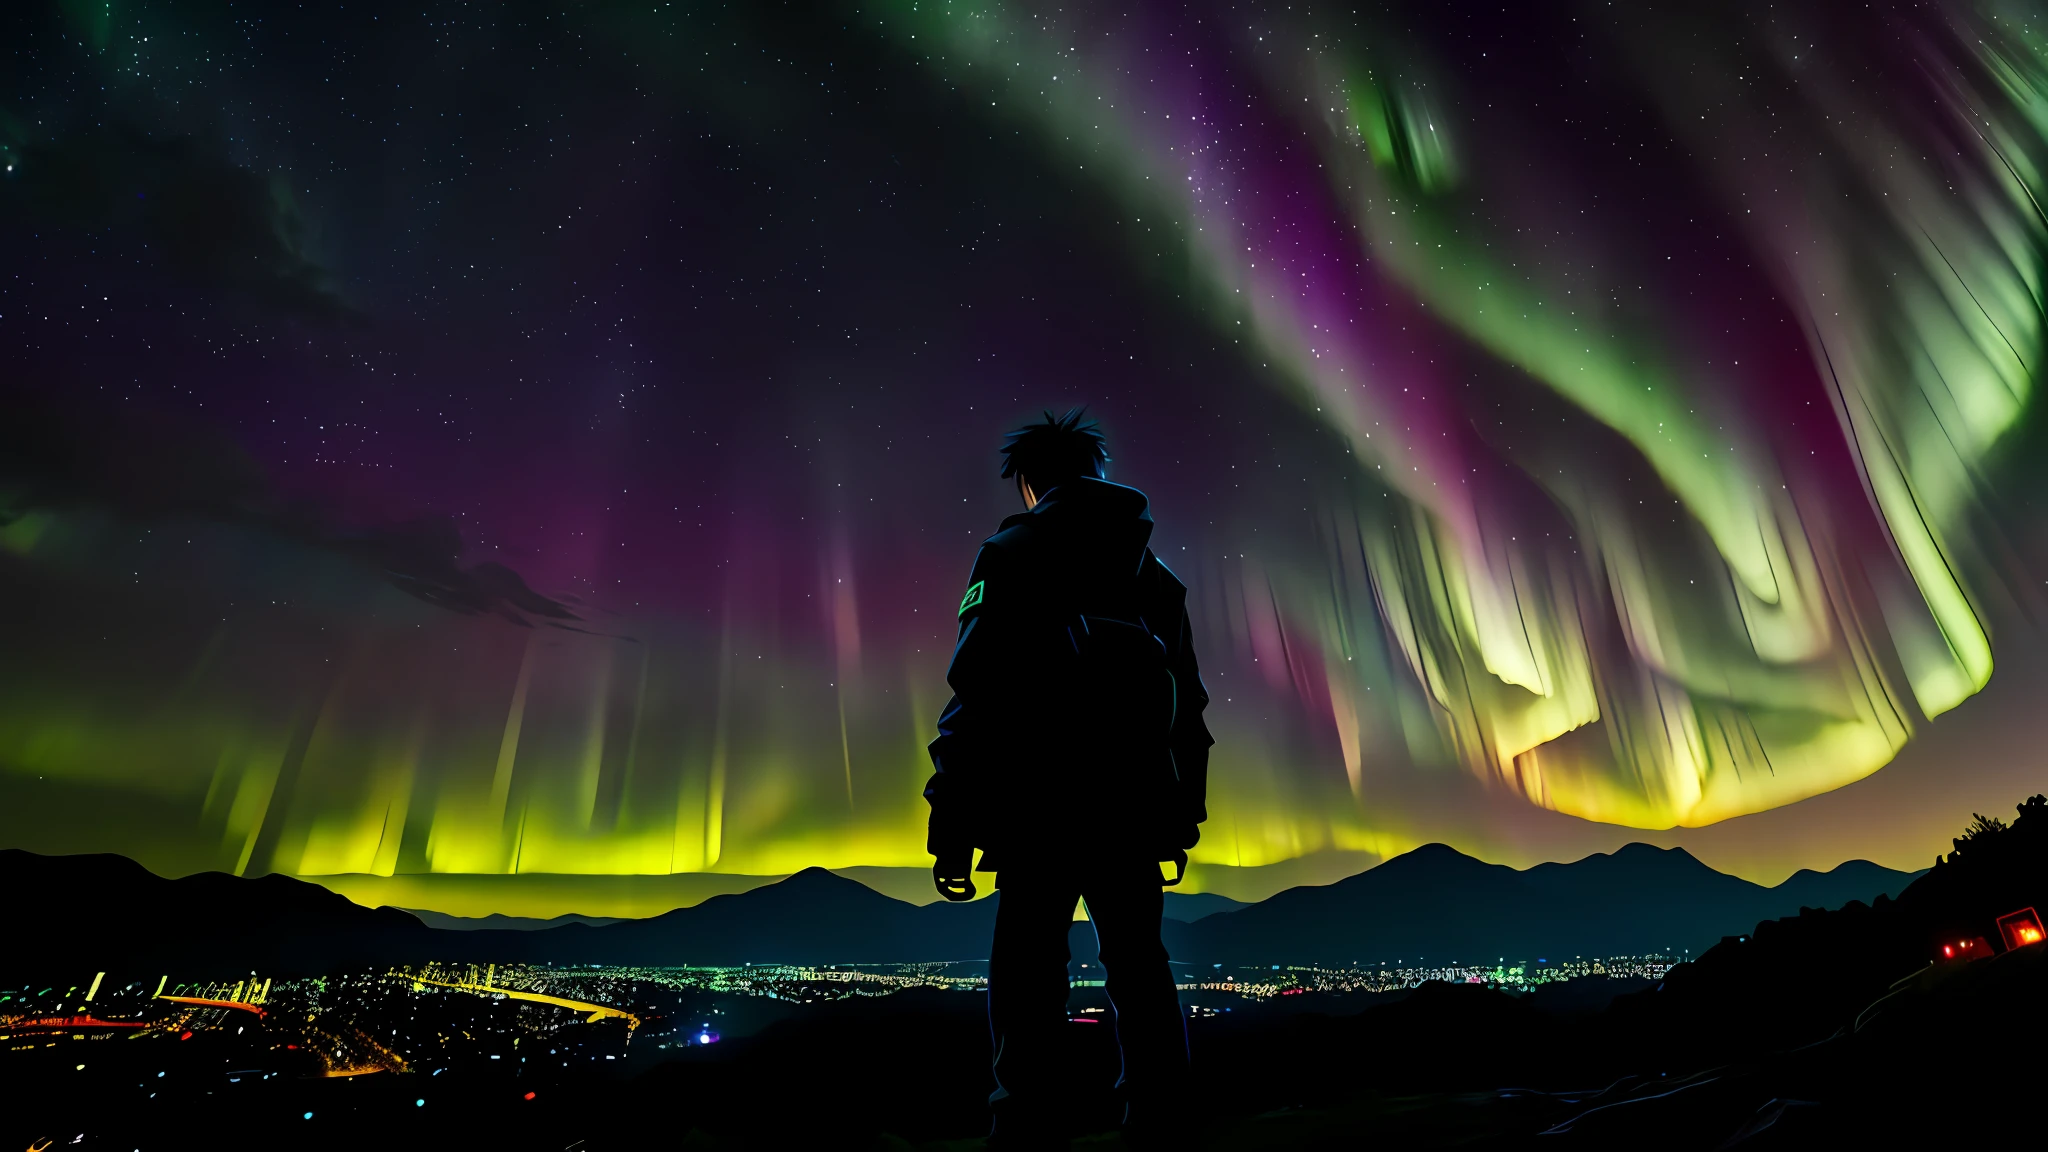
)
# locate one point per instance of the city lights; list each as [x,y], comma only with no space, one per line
[508,1019]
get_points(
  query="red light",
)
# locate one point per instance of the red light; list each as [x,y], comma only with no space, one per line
[2021,928]
[290,1046]
[529,1095]
[1966,948]
[186,1036]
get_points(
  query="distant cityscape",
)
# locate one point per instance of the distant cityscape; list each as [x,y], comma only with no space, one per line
[445,1016]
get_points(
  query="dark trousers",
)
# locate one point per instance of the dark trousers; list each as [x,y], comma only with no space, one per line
[1027,988]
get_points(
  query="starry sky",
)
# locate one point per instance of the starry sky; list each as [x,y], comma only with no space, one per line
[494,455]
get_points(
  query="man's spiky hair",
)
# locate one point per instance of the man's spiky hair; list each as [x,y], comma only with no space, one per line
[1059,449]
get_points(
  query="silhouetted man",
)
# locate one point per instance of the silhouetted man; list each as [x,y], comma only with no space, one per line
[1073,754]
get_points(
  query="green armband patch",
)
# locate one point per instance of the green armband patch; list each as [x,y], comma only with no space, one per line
[972,598]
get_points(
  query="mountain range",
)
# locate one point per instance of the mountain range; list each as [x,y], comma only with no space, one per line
[498,920]
[1438,904]
[1429,905]
[1183,906]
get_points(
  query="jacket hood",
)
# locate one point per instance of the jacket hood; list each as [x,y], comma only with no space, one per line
[1111,520]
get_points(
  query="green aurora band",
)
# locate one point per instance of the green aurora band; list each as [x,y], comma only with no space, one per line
[1902,228]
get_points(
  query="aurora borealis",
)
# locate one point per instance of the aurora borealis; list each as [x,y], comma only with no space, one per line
[475,443]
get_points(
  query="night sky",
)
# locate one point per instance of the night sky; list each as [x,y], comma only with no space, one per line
[471,444]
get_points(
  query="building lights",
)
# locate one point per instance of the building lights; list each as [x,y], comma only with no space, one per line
[2021,928]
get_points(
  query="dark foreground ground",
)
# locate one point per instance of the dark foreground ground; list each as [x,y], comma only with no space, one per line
[1957,1047]
[1829,1029]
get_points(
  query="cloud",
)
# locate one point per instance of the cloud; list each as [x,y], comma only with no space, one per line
[222,225]
[159,466]
[423,558]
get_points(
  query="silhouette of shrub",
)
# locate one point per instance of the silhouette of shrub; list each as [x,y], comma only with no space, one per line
[1800,979]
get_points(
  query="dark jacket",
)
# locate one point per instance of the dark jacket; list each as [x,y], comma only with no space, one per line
[1037,757]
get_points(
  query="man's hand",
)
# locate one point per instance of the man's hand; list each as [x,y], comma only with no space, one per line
[952,874]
